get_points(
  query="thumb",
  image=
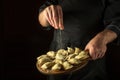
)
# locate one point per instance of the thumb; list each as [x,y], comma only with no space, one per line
[88,52]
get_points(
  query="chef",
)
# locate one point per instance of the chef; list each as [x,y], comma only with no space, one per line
[88,24]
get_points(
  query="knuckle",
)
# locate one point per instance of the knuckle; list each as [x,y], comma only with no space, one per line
[55,17]
[52,5]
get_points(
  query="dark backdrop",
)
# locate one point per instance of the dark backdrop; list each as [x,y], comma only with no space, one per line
[24,40]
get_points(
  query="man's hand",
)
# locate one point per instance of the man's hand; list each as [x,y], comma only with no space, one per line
[98,45]
[53,15]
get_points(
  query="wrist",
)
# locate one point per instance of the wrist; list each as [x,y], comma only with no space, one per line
[107,36]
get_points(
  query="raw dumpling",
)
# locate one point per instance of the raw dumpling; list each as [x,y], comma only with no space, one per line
[58,61]
[67,65]
[60,56]
[57,66]
[51,54]
[74,61]
[47,65]
[70,50]
[71,56]
[77,50]
[79,57]
[82,55]
[42,56]
[63,52]
[43,60]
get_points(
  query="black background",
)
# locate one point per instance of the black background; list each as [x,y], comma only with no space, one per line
[24,40]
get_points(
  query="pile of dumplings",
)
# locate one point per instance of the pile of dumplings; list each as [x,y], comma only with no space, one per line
[62,59]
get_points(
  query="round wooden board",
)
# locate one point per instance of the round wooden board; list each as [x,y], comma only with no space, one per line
[51,72]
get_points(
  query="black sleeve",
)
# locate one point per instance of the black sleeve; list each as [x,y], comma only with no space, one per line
[112,16]
[48,3]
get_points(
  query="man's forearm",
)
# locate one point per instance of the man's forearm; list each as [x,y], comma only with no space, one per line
[108,36]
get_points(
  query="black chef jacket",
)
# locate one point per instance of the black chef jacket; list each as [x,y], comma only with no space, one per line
[83,19]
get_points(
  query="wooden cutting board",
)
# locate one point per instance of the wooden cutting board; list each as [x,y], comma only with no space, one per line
[51,72]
